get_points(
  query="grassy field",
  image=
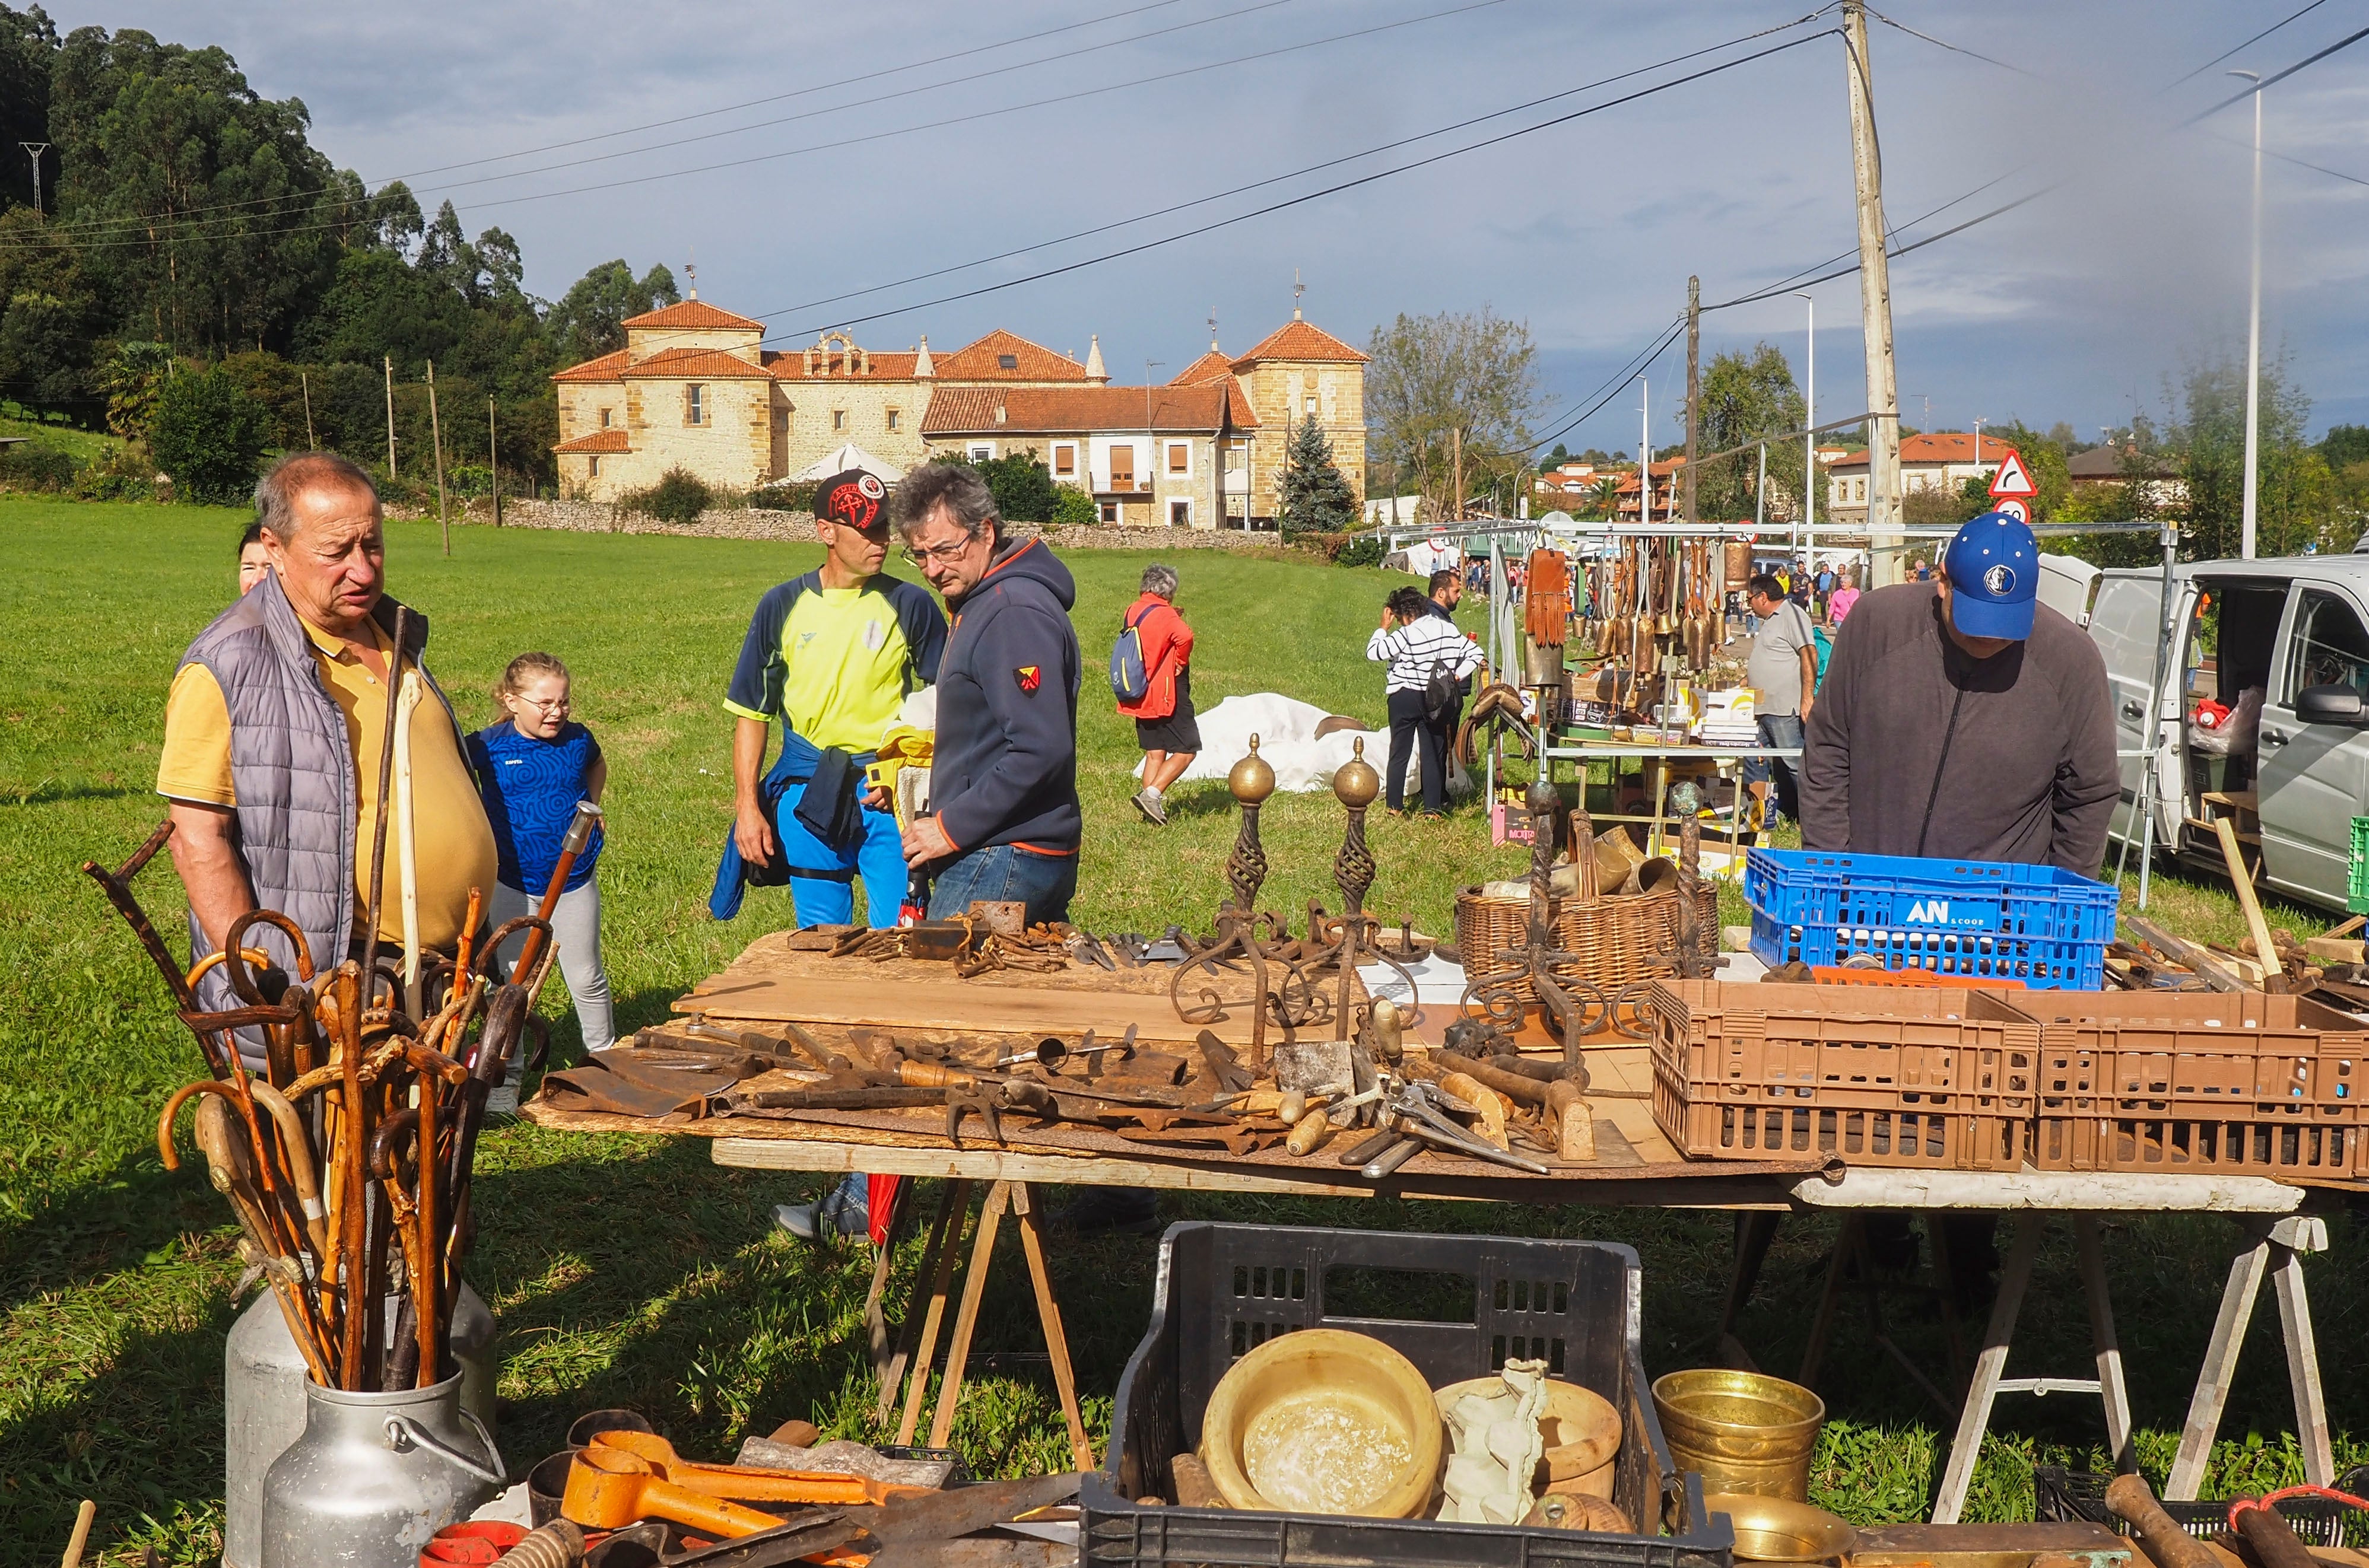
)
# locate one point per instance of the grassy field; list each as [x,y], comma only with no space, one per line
[631,1271]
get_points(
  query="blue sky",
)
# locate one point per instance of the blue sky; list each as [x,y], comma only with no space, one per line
[2074,306]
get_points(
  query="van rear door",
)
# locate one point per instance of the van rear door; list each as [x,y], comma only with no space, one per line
[2126,620]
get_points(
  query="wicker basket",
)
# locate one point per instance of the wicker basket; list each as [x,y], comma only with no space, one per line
[1617,939]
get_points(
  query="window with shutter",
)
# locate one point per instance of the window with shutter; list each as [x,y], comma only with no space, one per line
[1122,466]
[1179,457]
[1065,461]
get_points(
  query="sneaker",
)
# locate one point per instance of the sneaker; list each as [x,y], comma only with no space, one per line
[1100,1208]
[845,1210]
[1150,805]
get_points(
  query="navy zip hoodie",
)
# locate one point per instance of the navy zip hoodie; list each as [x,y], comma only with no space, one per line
[1005,770]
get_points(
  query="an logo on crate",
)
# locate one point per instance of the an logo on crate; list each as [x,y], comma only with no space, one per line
[1927,912]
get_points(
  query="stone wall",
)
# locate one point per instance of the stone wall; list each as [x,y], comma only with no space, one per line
[596,516]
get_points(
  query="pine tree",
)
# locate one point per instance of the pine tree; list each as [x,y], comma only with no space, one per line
[1315,497]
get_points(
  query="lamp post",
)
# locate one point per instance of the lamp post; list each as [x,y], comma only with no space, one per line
[2253,336]
[1810,442]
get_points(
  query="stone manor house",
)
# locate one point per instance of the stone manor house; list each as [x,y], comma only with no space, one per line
[695,387]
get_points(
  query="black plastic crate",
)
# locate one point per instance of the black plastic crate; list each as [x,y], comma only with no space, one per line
[1458,1307]
[2071,1497]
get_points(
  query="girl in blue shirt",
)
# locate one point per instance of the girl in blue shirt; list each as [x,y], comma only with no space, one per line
[531,768]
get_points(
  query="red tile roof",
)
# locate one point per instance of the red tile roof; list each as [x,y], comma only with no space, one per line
[1298,340]
[1937,446]
[693,364]
[981,361]
[1207,367]
[1052,411]
[596,441]
[695,314]
[604,369]
[790,365]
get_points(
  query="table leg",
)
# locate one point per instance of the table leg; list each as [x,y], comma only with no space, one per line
[1822,1325]
[1049,1313]
[2220,1368]
[1755,1231]
[1975,1418]
[958,1202]
[982,1252]
[2111,1385]
[952,1206]
[876,1324]
[2303,1354]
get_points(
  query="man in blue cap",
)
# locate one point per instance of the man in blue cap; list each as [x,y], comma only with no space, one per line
[1963,719]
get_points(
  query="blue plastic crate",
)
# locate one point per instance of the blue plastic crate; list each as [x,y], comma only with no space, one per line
[2045,927]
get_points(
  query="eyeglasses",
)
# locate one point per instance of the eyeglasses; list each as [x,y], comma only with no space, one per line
[556,705]
[944,554]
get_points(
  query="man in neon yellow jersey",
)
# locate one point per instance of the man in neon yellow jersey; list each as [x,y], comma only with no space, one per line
[833,655]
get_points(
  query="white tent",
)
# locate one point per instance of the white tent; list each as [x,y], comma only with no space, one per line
[839,459]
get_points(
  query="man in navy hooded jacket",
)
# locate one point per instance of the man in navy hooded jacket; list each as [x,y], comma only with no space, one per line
[1005,821]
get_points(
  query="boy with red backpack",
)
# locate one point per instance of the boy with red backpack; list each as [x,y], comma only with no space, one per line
[1152,676]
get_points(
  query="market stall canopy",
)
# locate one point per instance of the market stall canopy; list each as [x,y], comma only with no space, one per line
[840,459]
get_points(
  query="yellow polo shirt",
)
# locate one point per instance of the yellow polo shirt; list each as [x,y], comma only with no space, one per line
[454,846]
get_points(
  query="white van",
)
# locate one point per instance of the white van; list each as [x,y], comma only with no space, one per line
[2296,629]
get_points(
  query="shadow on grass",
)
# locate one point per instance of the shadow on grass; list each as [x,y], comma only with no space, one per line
[115,1220]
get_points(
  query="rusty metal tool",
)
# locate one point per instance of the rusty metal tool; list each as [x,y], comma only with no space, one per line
[2129,1497]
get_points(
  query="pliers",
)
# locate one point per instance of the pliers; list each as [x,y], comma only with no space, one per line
[980,1099]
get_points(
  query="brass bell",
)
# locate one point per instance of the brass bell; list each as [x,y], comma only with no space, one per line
[1252,778]
[1354,782]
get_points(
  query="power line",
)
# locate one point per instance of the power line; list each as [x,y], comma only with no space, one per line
[1308,197]
[1294,173]
[2347,41]
[1957,48]
[144,231]
[2258,38]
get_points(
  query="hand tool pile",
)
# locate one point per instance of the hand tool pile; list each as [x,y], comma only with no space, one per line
[975,943]
[346,1153]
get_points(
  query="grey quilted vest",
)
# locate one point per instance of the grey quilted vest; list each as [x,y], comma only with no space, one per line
[292,770]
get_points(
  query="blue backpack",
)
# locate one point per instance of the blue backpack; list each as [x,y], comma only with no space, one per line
[1128,678]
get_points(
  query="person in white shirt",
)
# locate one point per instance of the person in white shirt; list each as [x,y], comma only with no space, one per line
[1427,656]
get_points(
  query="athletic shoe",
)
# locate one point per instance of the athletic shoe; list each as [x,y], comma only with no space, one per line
[845,1210]
[1150,805]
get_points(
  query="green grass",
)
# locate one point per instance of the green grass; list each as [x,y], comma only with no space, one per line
[86,446]
[631,1271]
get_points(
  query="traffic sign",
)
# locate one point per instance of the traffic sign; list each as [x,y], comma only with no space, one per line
[2011,479]
[2014,507]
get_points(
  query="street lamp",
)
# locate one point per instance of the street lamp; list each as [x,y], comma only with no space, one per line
[1810,441]
[2253,334]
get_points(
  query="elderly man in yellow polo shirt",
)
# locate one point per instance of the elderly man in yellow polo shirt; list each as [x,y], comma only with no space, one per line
[272,740]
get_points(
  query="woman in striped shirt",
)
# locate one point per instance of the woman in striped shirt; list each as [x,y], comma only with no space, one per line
[1419,646]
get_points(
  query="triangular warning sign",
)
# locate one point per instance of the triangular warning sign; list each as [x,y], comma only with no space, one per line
[2010,479]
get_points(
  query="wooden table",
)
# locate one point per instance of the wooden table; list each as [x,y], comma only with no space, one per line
[1637,1167]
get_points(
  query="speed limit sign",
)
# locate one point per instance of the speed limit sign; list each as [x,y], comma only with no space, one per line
[2015,506]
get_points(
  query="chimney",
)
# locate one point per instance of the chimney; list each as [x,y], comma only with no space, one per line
[998,414]
[1094,371]
[922,367]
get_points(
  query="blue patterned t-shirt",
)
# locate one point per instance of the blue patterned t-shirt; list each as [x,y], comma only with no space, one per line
[530,788]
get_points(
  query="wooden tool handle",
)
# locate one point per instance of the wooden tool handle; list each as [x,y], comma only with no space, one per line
[1191,1480]
[2130,1498]
[1307,1134]
[1573,1121]
[2273,1541]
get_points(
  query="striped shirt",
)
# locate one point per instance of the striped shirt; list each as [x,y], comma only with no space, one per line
[1413,650]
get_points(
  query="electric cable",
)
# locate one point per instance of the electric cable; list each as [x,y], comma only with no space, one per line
[2347,41]
[2258,38]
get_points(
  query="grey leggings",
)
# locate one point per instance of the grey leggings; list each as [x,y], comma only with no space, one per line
[576,925]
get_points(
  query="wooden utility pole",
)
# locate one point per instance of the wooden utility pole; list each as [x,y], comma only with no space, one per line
[306,377]
[494,461]
[1456,443]
[1875,312]
[436,438]
[1694,383]
[389,361]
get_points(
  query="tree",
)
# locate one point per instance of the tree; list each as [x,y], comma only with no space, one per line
[1744,397]
[1437,382]
[1554,460]
[2295,492]
[2345,445]
[28,49]
[132,378]
[1606,492]
[1313,497]
[209,436]
[1072,507]
[589,319]
[1022,485]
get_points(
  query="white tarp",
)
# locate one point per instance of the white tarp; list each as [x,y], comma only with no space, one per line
[1288,740]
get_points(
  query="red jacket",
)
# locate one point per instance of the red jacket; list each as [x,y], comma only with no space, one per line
[1167,648]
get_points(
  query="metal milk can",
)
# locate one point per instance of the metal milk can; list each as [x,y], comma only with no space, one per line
[374,1476]
[263,1403]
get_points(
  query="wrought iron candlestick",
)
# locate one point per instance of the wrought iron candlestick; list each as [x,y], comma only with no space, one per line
[1251,781]
[1569,1005]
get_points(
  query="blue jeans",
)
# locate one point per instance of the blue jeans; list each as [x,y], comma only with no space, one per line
[1046,883]
[829,899]
[1778,729]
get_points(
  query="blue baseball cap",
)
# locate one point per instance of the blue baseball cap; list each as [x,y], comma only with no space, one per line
[1993,565]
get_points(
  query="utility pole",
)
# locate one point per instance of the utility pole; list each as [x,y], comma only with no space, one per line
[1456,447]
[1644,450]
[1875,312]
[306,377]
[436,438]
[37,148]
[1694,384]
[494,461]
[1760,492]
[388,360]
[1809,518]
[2254,340]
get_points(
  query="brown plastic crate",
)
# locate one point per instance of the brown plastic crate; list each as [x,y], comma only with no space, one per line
[2244,1083]
[1928,1079]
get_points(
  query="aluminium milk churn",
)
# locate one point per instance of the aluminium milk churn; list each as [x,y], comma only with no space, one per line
[374,1476]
